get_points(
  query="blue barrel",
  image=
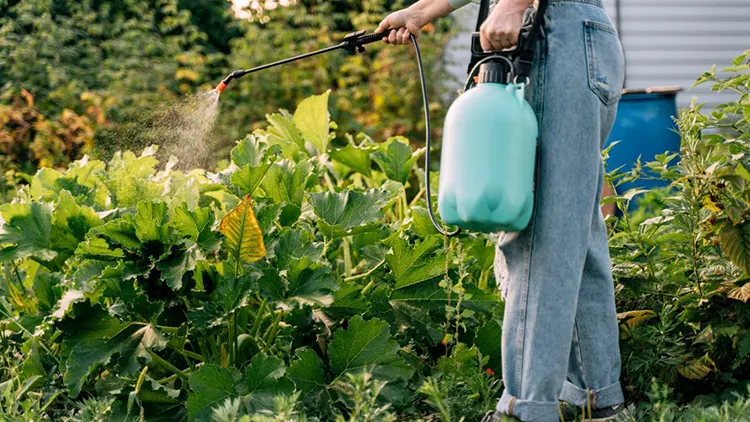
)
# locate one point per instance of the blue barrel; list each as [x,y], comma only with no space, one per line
[645,128]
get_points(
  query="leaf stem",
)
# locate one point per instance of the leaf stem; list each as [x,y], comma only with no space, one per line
[173,369]
[173,377]
[258,318]
[363,275]
[347,257]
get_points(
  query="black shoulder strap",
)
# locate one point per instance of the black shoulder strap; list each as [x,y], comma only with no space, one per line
[525,58]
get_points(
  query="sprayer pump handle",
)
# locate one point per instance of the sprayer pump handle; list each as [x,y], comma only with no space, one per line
[356,40]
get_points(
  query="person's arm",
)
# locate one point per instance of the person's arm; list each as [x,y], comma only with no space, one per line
[411,20]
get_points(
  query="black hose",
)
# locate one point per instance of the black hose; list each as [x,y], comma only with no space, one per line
[428,138]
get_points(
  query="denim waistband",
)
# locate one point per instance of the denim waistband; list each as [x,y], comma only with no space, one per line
[598,3]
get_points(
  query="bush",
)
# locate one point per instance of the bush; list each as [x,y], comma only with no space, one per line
[29,140]
[683,275]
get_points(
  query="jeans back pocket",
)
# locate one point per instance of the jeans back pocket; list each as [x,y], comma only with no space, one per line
[604,59]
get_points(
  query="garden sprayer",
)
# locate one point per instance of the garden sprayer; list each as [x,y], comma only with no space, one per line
[489,138]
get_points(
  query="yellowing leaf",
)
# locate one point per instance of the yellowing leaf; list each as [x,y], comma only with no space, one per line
[740,293]
[244,238]
[636,318]
[694,370]
[735,241]
[709,204]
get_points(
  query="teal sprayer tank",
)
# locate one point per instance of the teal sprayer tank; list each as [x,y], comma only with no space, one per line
[488,156]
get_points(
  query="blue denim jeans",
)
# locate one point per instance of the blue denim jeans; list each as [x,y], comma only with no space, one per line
[560,332]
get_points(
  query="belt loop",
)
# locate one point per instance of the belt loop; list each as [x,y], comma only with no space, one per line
[593,399]
[510,406]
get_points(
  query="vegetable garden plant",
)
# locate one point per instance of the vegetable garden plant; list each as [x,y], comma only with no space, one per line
[304,281]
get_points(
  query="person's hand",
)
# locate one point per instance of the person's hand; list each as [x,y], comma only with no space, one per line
[405,22]
[502,28]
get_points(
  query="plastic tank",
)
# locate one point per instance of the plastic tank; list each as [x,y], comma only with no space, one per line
[488,157]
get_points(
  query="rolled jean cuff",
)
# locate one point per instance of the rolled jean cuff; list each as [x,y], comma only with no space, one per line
[600,398]
[527,410]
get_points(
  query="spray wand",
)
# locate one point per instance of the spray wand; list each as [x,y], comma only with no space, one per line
[354,43]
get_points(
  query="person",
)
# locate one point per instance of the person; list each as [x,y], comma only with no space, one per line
[560,334]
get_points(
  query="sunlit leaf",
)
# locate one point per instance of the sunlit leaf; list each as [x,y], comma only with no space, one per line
[311,118]
[396,158]
[740,293]
[26,231]
[414,263]
[348,212]
[244,239]
[357,157]
[151,222]
[735,241]
[636,318]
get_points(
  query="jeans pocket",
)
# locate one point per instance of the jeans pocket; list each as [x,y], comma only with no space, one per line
[605,62]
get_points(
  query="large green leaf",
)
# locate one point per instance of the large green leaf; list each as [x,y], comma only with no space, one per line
[283,132]
[232,292]
[196,226]
[26,231]
[367,345]
[310,281]
[429,294]
[71,222]
[311,118]
[98,248]
[249,178]
[285,182]
[396,159]
[348,212]
[244,240]
[130,343]
[151,222]
[348,301]
[253,160]
[293,244]
[248,152]
[211,385]
[735,241]
[414,263]
[357,157]
[121,231]
[179,262]
[308,372]
[264,379]
[488,339]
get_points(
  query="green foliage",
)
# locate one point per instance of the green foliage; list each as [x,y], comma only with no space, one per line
[134,290]
[681,261]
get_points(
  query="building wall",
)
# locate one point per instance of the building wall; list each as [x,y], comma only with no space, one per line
[666,42]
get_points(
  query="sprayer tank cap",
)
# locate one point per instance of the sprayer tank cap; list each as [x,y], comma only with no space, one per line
[493,72]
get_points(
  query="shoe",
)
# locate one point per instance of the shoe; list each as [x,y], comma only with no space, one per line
[495,416]
[616,413]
